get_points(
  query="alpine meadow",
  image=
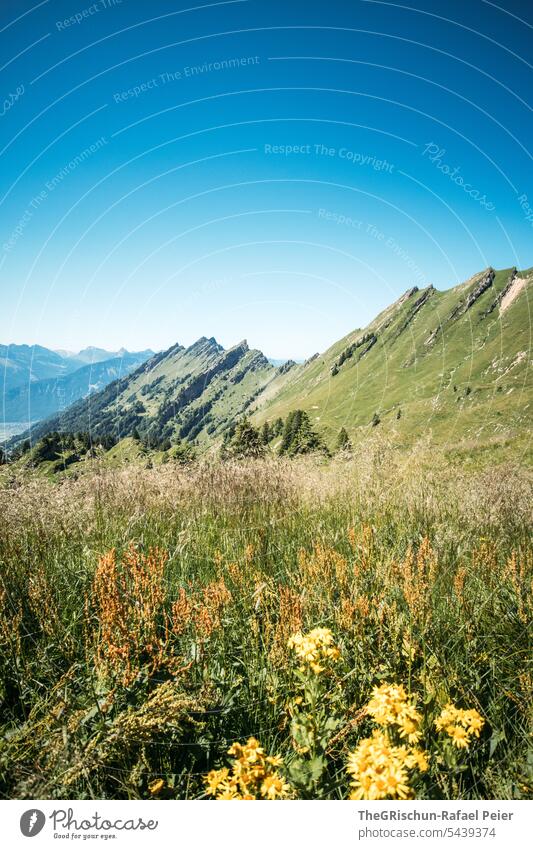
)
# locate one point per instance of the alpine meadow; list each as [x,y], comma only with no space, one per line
[209,590]
[266,396]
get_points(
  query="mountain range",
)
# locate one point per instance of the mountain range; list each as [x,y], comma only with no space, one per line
[454,364]
[93,355]
[36,382]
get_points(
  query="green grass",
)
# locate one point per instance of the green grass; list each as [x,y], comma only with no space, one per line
[471,383]
[78,723]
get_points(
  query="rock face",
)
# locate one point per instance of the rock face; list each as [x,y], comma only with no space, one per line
[417,305]
[497,300]
[286,367]
[475,292]
[512,291]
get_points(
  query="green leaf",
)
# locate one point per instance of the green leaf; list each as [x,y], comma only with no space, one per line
[498,735]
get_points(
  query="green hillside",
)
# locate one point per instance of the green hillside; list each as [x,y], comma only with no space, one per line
[454,364]
[183,393]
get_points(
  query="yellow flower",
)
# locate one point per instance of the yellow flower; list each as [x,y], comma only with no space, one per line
[416,758]
[314,648]
[229,793]
[214,779]
[379,770]
[250,752]
[407,723]
[459,736]
[252,774]
[390,705]
[460,725]
[156,786]
[273,787]
[474,720]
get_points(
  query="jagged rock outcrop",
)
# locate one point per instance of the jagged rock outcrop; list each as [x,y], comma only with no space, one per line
[478,288]
[365,343]
[498,299]
[286,367]
[416,307]
[475,293]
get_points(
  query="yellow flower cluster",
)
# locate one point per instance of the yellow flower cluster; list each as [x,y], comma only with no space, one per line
[460,725]
[156,786]
[380,770]
[252,776]
[390,705]
[314,648]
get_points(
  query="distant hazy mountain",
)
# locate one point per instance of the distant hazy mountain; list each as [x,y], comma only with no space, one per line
[35,400]
[20,364]
[36,382]
[277,363]
[99,355]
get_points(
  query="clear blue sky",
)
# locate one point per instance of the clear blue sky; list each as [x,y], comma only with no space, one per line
[266,169]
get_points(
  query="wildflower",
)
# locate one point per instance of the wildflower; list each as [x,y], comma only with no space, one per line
[474,720]
[273,787]
[390,705]
[229,793]
[128,599]
[214,779]
[156,786]
[314,648]
[459,736]
[250,752]
[417,759]
[460,725]
[379,770]
[253,775]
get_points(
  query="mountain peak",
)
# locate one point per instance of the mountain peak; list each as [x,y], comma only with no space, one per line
[204,342]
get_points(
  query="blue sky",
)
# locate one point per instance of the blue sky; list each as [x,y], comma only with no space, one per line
[276,171]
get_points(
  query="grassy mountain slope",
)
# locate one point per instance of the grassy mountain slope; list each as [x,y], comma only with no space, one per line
[455,363]
[186,393]
[35,400]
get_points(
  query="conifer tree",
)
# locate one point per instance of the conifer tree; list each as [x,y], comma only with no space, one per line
[246,441]
[266,433]
[299,436]
[343,441]
[277,428]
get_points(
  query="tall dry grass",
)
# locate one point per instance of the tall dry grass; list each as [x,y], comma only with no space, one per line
[145,614]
